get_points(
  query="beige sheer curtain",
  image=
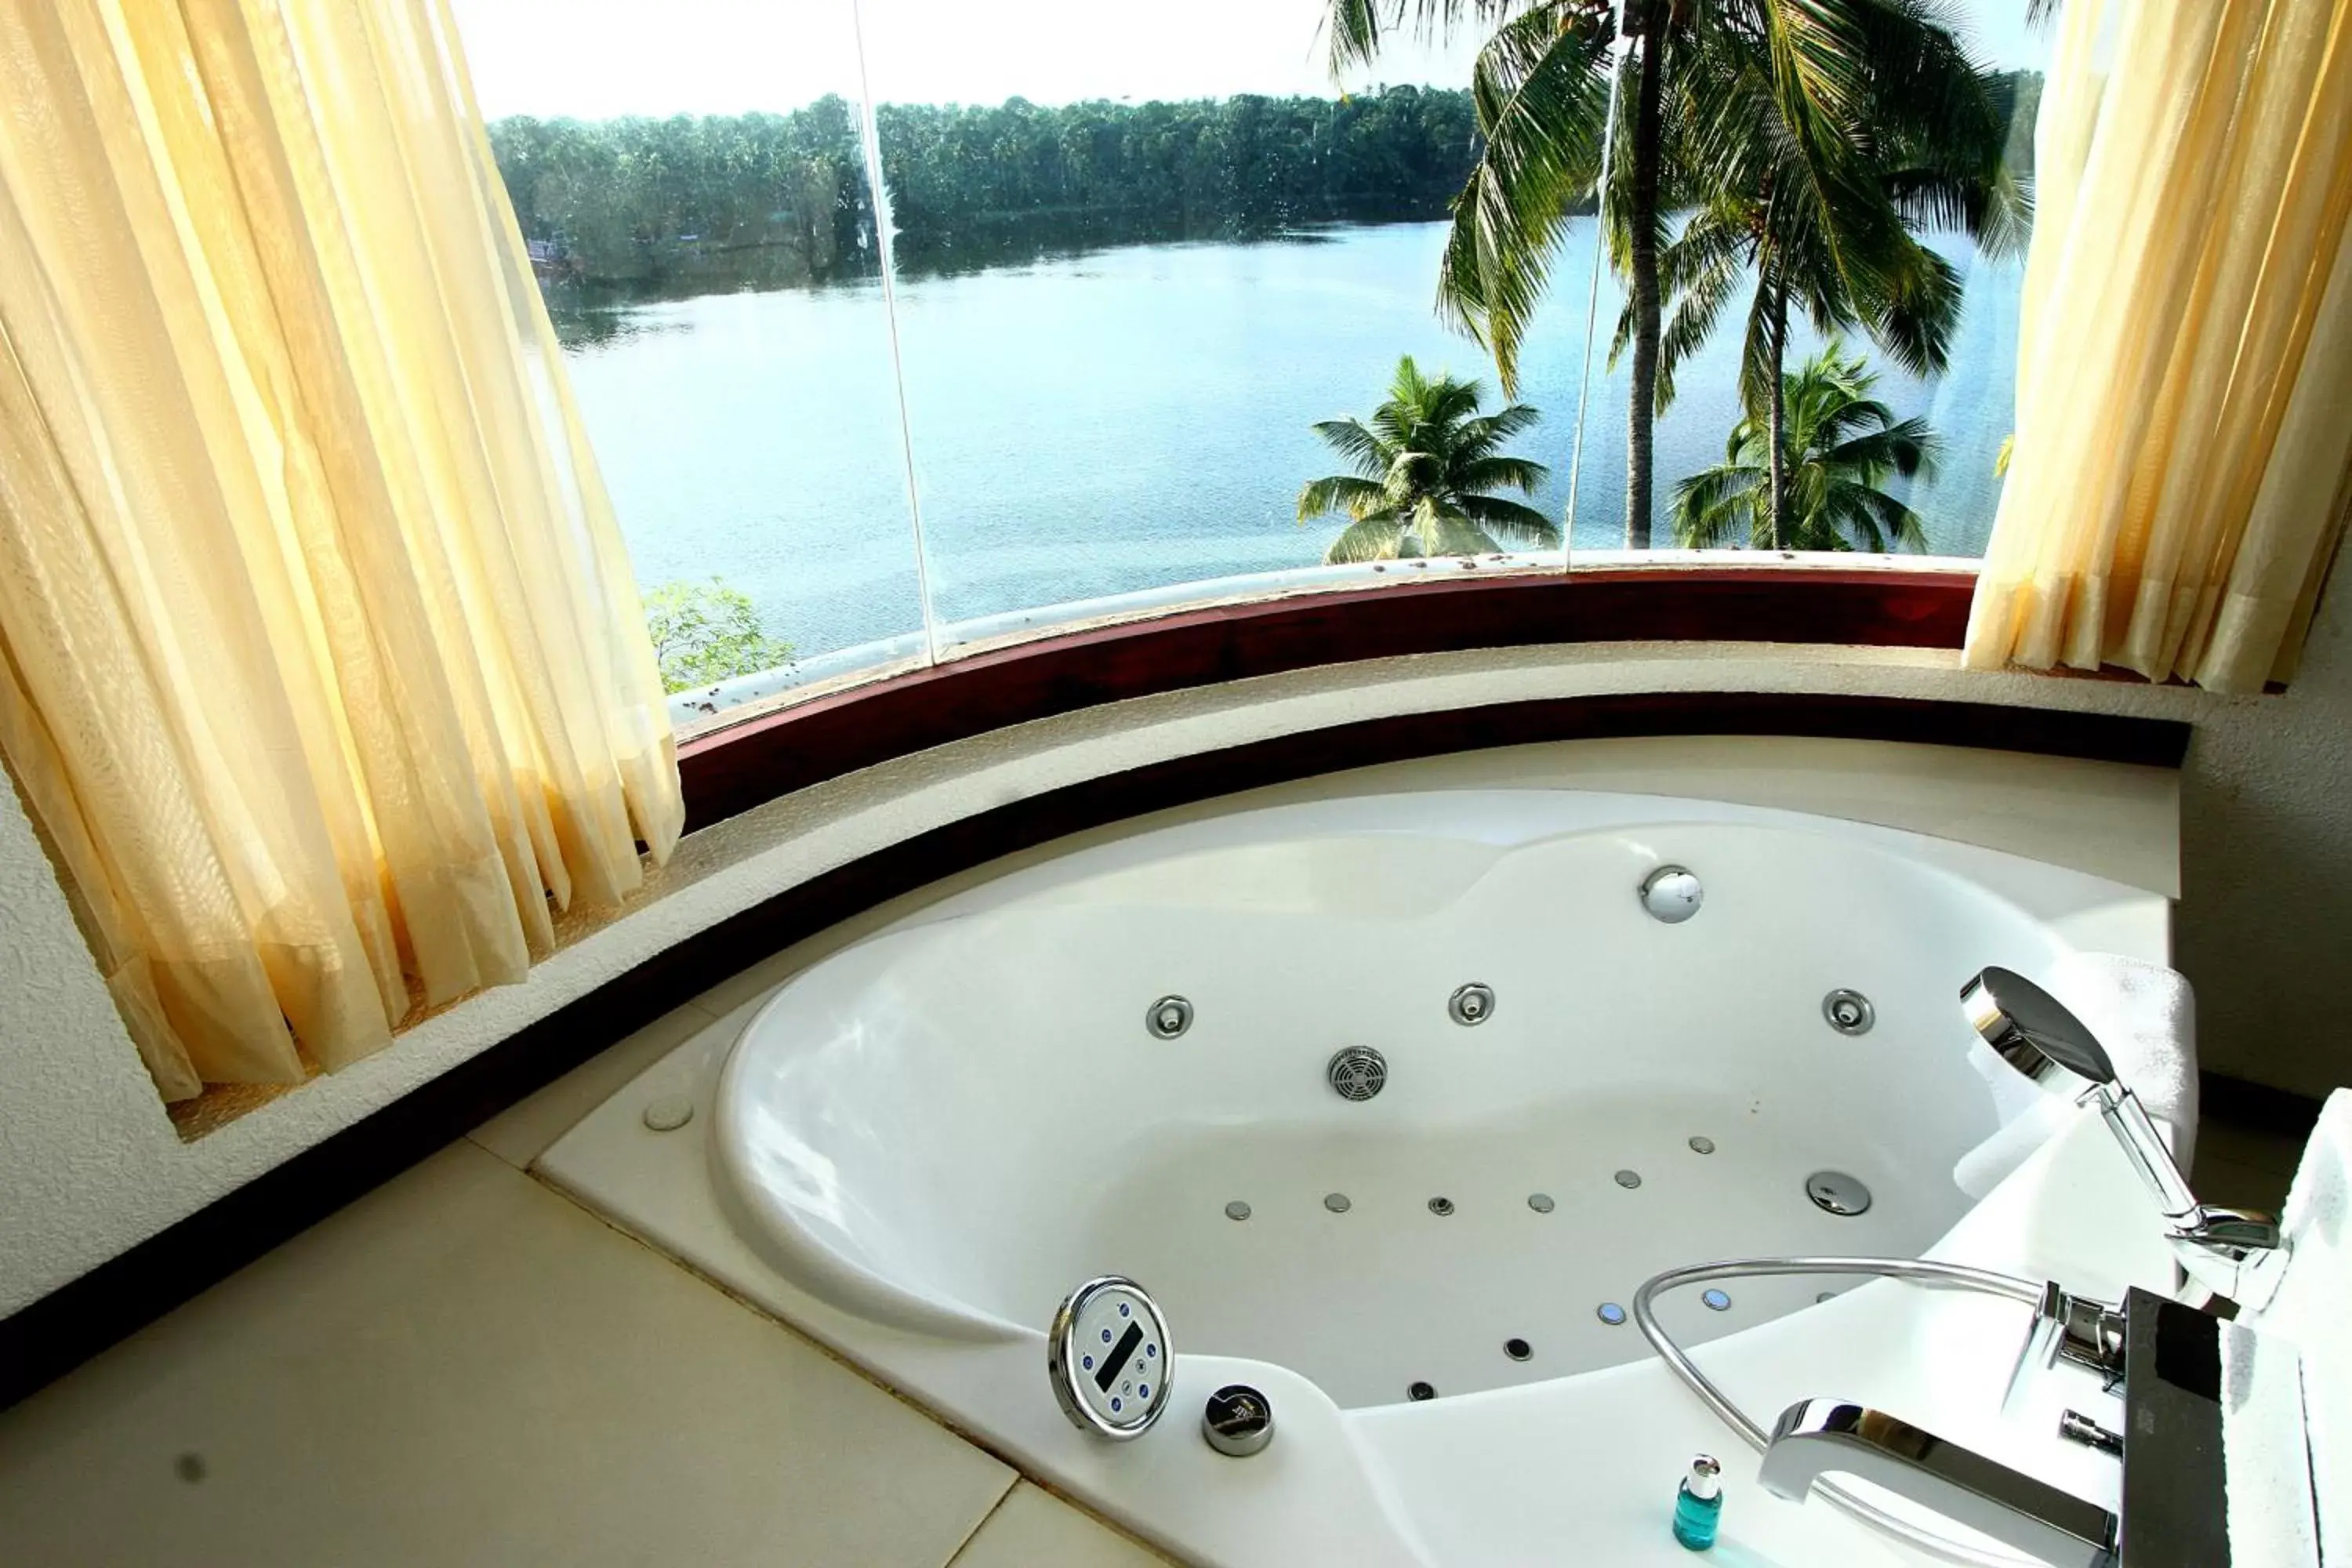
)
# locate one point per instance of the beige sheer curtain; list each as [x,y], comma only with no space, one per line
[2185,345]
[320,663]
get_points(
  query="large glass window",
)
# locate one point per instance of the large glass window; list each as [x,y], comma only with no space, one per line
[692,180]
[1097,307]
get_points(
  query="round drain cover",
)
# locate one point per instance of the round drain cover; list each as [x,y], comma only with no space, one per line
[1837,1193]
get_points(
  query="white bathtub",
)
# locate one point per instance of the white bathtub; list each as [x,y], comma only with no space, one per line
[916,1147]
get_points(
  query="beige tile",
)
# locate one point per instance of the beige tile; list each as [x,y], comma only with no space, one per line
[1034,1529]
[525,1130]
[2233,1185]
[465,1368]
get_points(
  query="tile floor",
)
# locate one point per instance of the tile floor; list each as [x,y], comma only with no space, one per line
[467,1368]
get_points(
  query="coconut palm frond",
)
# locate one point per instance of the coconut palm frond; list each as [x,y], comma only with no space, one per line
[1340,493]
[1522,525]
[1348,437]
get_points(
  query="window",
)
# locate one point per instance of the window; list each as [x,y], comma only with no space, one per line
[1125,281]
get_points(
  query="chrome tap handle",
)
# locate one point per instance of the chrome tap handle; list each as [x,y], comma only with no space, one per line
[2069,1328]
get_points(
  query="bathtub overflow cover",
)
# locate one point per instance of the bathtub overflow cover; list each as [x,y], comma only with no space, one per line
[1169,1017]
[1837,1193]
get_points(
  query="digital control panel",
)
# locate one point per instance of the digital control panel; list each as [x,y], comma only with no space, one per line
[1110,1359]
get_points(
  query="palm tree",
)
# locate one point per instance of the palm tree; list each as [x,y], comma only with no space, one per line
[1426,468]
[1846,254]
[1688,122]
[1541,88]
[1843,445]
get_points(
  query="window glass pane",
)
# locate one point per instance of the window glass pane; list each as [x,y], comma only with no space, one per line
[1935,348]
[690,177]
[1156,282]
[1140,255]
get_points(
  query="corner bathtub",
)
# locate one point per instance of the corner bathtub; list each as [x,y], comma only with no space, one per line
[916,1147]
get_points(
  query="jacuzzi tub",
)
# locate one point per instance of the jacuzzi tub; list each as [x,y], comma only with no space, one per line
[917,1146]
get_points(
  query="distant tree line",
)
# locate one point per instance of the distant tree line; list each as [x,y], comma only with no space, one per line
[641,208]
[646,207]
[652,206]
[976,184]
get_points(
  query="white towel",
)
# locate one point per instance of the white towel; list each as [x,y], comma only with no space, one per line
[2314,1306]
[2268,1508]
[2145,1016]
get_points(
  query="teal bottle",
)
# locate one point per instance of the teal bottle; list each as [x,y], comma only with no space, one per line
[1698,1506]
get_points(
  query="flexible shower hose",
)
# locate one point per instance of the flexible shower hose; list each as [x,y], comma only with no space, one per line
[1918,1271]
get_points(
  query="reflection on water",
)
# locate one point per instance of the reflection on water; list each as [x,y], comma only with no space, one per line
[597,312]
[1098,421]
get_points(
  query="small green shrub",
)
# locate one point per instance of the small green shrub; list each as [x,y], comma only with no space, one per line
[706,632]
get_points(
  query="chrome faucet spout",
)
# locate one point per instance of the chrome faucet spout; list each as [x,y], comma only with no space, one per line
[1817,1436]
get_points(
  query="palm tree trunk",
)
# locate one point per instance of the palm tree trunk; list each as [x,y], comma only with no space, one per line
[1643,214]
[1779,420]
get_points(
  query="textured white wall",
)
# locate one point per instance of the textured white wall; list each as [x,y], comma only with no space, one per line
[90,1165]
[2264,926]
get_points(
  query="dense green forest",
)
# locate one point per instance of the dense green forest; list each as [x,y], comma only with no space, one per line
[637,208]
[648,207]
[641,207]
[974,184]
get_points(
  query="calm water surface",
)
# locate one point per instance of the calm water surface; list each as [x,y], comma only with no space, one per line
[1126,419]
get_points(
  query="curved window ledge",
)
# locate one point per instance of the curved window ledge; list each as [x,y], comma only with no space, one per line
[749,756]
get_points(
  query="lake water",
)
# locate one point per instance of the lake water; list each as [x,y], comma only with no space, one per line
[1126,419]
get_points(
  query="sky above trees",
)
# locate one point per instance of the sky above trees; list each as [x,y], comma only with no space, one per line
[598,58]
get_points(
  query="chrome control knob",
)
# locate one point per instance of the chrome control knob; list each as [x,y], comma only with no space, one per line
[1238,1421]
[1109,1357]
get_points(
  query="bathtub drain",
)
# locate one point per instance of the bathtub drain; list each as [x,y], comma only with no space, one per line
[1441,1207]
[1238,1210]
[1420,1391]
[1518,1349]
[1337,1203]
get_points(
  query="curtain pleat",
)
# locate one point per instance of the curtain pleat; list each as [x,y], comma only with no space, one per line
[2171,488]
[326,676]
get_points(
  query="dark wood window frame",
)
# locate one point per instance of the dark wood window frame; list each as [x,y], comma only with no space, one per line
[739,766]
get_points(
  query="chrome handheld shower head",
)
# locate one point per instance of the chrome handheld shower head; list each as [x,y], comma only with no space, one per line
[2234,1254]
[2032,1030]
